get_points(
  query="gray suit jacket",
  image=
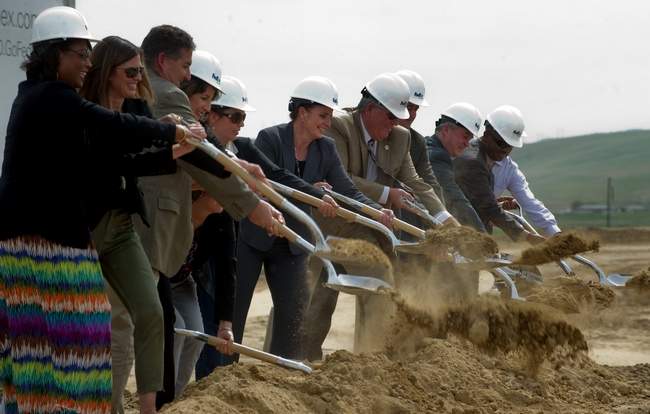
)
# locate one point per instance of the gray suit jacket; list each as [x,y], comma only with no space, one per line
[477,182]
[392,156]
[421,162]
[168,198]
[322,164]
[455,200]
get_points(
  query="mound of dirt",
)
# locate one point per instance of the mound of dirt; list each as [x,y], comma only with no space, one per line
[442,376]
[467,241]
[640,281]
[572,295]
[555,248]
[534,331]
[359,251]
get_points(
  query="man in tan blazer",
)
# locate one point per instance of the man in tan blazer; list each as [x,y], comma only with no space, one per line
[375,150]
[168,238]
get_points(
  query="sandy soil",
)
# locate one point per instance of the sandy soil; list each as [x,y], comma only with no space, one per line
[452,375]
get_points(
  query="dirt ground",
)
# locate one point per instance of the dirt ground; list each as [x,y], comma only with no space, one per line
[452,375]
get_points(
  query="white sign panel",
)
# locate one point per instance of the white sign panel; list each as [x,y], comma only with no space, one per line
[16,19]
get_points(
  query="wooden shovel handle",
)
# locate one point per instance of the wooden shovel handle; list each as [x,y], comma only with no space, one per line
[232,166]
[245,350]
[317,202]
[397,223]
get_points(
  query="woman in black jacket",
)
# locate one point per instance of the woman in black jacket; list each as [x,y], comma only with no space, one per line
[54,315]
[118,81]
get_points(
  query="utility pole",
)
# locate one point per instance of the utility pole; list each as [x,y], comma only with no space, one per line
[610,200]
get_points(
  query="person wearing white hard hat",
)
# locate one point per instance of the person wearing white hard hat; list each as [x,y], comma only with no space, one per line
[418,149]
[56,316]
[375,149]
[504,130]
[168,58]
[454,130]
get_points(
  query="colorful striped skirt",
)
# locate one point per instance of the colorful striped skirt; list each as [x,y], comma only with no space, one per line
[54,329]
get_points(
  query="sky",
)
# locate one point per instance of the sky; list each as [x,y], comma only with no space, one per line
[571,67]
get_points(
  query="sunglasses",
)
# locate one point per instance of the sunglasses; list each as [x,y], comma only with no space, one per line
[235,117]
[83,53]
[134,71]
[196,194]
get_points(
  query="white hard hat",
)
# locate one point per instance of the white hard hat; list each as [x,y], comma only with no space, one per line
[416,86]
[234,95]
[509,124]
[467,115]
[319,90]
[392,92]
[60,22]
[207,68]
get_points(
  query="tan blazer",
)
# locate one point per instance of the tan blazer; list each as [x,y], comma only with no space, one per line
[392,156]
[168,198]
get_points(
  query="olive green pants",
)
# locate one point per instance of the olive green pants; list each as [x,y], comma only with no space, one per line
[127,270]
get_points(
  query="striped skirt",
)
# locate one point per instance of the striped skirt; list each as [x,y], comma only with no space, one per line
[54,329]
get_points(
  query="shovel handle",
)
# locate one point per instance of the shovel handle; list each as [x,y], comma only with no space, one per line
[315,202]
[231,165]
[255,353]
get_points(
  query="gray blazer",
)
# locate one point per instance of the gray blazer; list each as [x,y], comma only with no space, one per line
[322,164]
[168,198]
[474,177]
[455,200]
[421,162]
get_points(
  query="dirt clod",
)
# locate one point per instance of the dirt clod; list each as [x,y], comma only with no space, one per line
[555,248]
[573,295]
[359,251]
[467,241]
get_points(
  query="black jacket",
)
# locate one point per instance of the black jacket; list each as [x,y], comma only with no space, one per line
[455,200]
[47,168]
[475,178]
[116,182]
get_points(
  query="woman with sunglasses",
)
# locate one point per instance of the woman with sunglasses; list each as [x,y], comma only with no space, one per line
[300,147]
[117,80]
[54,314]
[226,118]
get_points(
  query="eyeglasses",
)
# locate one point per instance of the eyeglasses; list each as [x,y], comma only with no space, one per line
[235,117]
[83,53]
[133,72]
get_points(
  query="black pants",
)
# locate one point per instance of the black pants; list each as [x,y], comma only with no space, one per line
[286,276]
[169,317]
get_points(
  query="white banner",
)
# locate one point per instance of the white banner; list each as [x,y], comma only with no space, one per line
[16,20]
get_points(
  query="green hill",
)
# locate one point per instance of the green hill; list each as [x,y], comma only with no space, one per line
[561,171]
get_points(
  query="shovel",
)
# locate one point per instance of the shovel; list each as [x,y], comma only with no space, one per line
[420,248]
[613,280]
[248,351]
[354,285]
[343,213]
[346,283]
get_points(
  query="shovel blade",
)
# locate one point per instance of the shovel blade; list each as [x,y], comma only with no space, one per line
[618,280]
[357,285]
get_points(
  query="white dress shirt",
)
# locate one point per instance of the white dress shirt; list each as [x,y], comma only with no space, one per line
[371,171]
[508,176]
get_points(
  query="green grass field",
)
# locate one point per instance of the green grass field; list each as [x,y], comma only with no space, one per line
[573,220]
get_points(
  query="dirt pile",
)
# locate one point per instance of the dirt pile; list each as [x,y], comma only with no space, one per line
[536,332]
[572,295]
[555,248]
[442,376]
[359,251]
[640,281]
[467,241]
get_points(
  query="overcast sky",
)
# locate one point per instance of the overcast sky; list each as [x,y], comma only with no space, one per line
[572,67]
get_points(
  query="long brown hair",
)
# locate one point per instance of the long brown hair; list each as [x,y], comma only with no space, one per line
[111,52]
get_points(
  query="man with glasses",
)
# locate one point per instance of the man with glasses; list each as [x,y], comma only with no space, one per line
[457,125]
[374,149]
[485,170]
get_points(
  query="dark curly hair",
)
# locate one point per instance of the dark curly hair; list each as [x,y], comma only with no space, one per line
[43,63]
